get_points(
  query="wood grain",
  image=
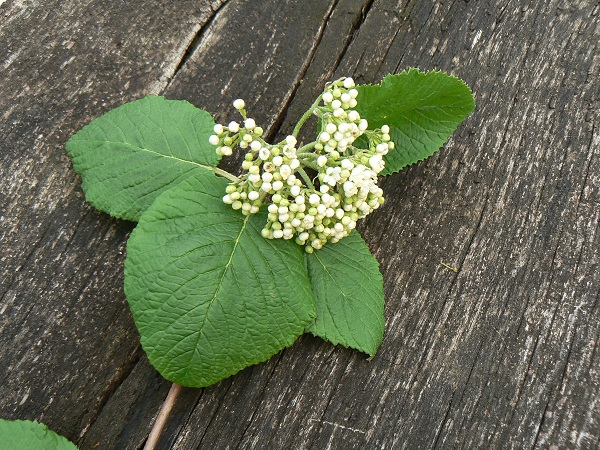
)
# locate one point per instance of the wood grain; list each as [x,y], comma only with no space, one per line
[500,354]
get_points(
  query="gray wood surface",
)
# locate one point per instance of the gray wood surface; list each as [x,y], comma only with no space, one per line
[501,353]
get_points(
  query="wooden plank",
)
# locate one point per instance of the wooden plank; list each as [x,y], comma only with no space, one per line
[499,354]
[66,336]
[477,358]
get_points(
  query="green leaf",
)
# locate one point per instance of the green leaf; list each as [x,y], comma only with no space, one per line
[422,110]
[128,156]
[28,435]
[348,289]
[208,293]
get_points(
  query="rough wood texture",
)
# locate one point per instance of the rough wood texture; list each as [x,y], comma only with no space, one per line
[500,354]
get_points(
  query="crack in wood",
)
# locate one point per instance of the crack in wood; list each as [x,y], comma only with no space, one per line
[195,43]
[275,127]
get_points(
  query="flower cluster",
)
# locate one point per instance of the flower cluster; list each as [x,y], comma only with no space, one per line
[316,192]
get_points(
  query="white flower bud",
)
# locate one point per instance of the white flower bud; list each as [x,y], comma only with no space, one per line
[295,190]
[234,127]
[350,188]
[266,186]
[278,160]
[227,151]
[338,112]
[327,97]
[277,185]
[363,125]
[353,93]
[294,163]
[264,154]
[353,116]
[347,164]
[227,199]
[239,104]
[330,128]
[349,83]
[385,129]
[266,176]
[253,195]
[324,136]
[254,177]
[278,234]
[273,209]
[249,124]
[285,171]
[322,161]
[214,139]
[255,145]
[345,98]
[254,209]
[336,104]
[376,162]
[218,129]
[314,199]
[291,140]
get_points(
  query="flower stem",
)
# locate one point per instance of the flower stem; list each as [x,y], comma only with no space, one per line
[306,147]
[305,177]
[306,115]
[162,417]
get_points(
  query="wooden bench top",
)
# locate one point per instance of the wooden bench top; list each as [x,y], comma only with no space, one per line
[499,353]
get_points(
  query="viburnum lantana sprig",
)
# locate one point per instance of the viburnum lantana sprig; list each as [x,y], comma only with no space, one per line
[223,271]
[315,210]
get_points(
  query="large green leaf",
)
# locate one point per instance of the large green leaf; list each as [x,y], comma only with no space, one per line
[208,293]
[128,156]
[348,289]
[28,435]
[422,110]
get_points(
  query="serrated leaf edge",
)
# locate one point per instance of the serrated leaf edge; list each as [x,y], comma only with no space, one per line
[408,71]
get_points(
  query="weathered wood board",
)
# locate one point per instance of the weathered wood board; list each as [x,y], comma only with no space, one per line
[501,353]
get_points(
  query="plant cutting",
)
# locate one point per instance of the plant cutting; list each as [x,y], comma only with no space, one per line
[224,270]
